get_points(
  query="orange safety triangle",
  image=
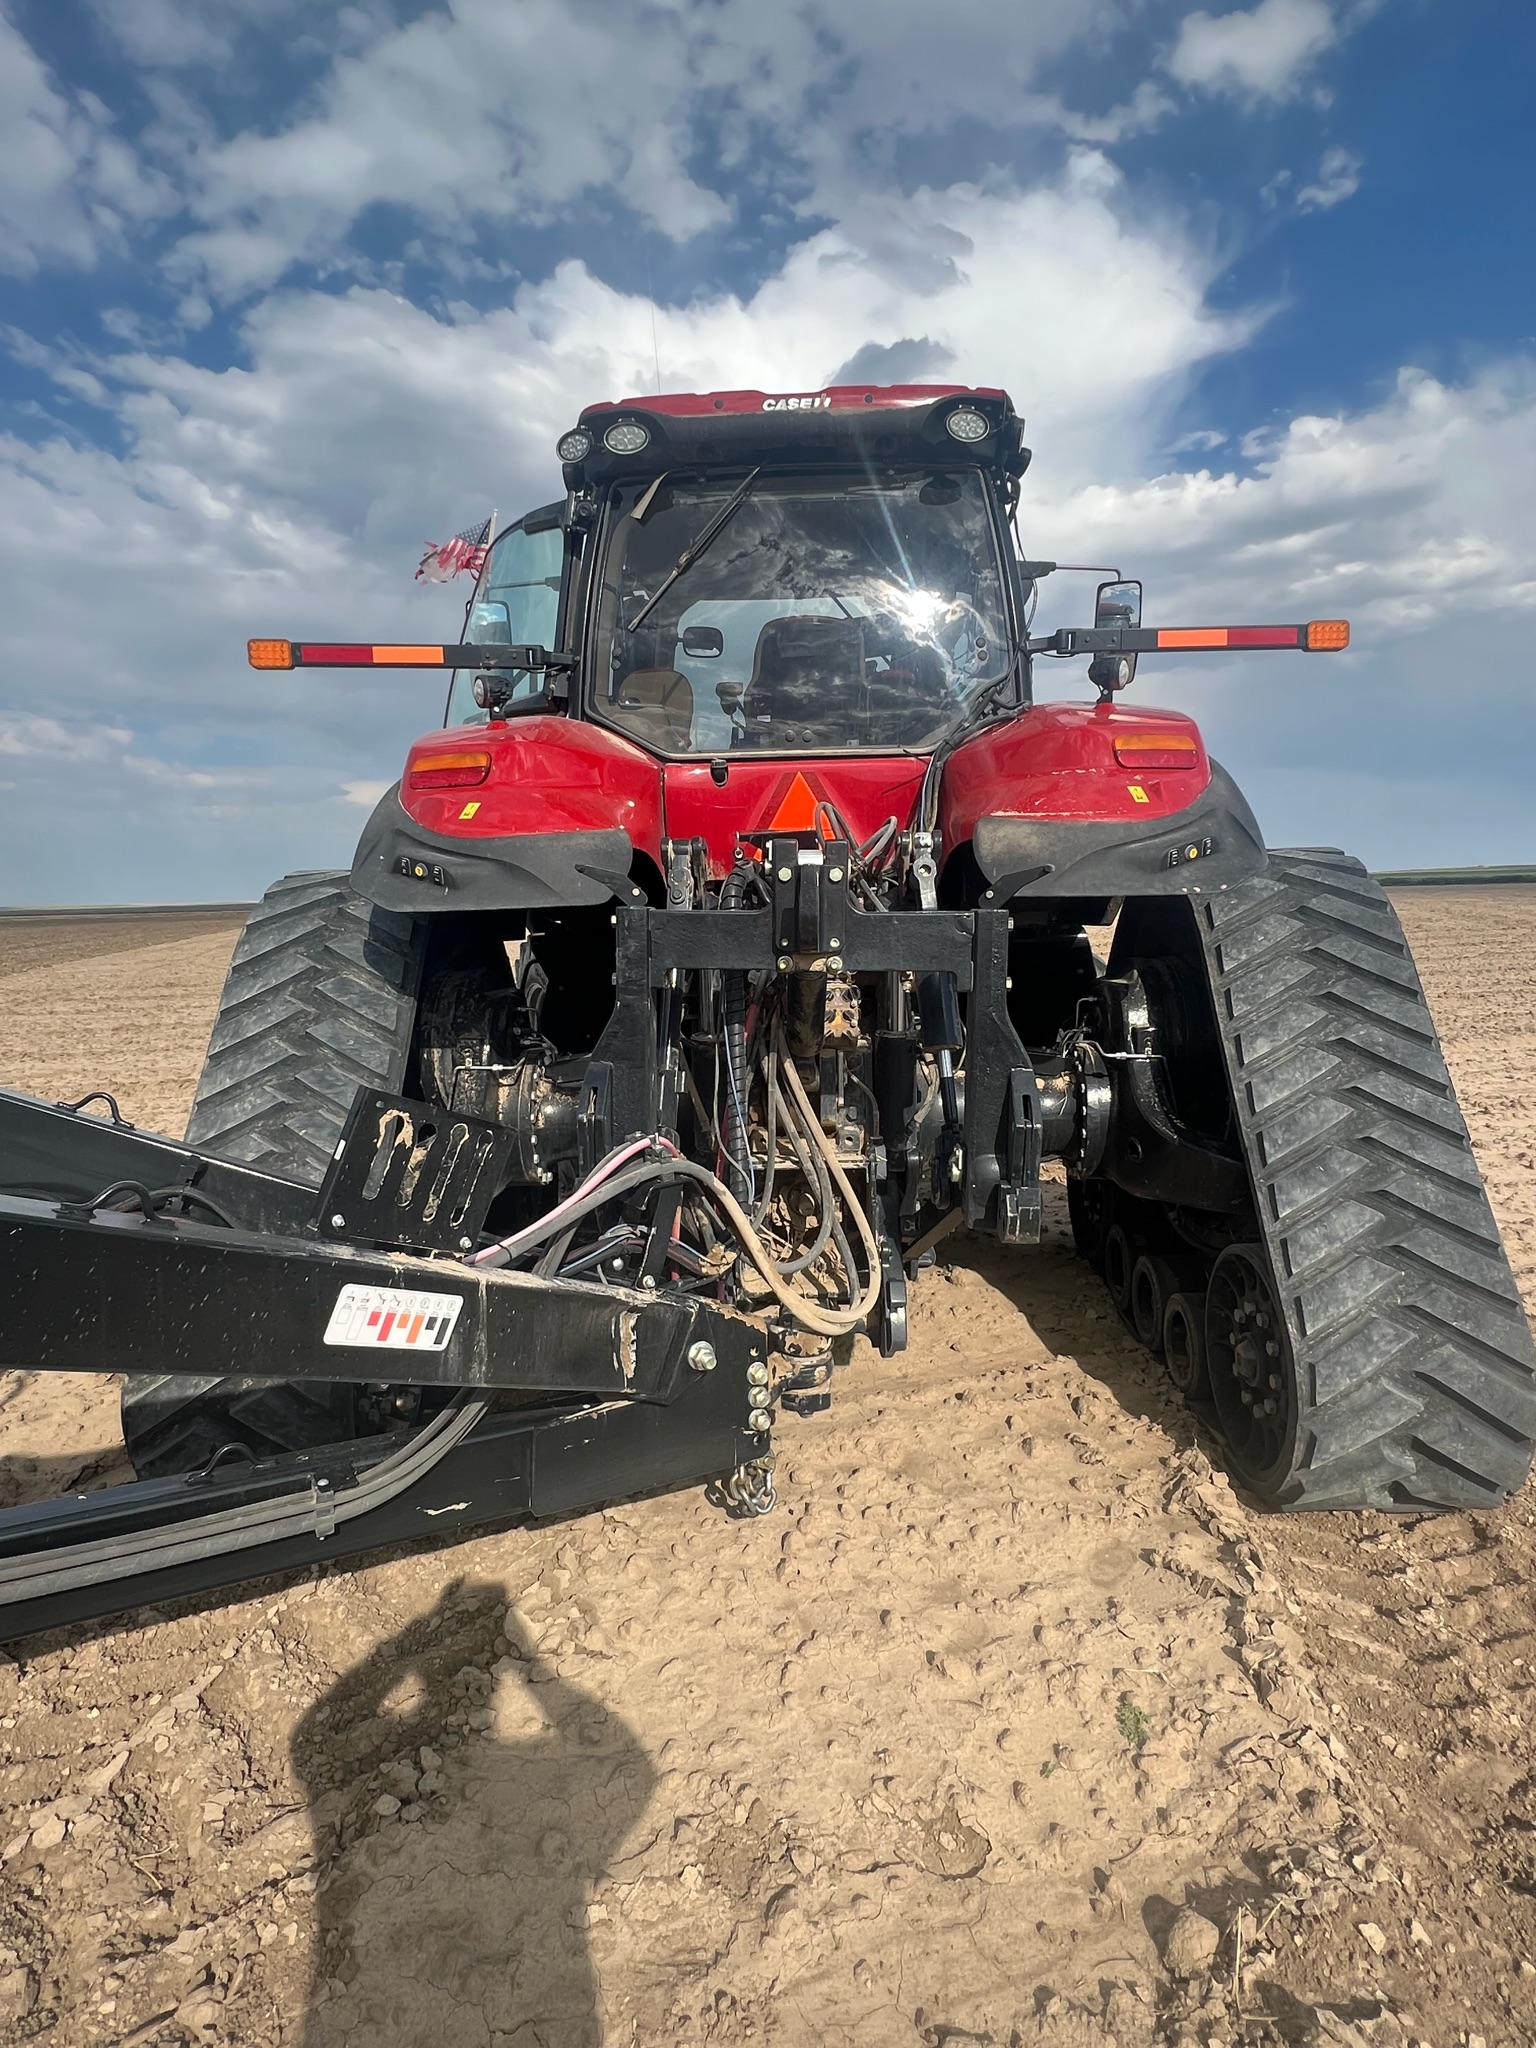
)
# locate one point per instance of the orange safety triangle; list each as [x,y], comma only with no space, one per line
[797,812]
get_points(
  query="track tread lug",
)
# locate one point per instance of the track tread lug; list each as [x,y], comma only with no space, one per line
[1415,1365]
[320,1000]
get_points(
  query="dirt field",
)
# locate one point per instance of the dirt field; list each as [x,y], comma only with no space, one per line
[1013,1723]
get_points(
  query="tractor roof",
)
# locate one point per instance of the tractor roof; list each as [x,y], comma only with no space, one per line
[955,424]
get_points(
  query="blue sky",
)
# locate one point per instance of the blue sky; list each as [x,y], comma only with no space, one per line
[289,291]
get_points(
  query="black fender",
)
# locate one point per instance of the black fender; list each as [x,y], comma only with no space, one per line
[1210,845]
[402,866]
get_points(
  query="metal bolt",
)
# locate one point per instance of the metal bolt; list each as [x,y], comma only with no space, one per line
[834,874]
[647,1279]
[757,1375]
[338,1222]
[786,875]
[701,1356]
[465,1243]
[785,963]
[836,945]
[615,1265]
[1274,1380]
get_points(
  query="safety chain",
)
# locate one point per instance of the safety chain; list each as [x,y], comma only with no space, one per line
[749,1491]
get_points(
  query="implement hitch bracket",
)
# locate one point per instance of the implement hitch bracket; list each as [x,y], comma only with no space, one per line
[610,1401]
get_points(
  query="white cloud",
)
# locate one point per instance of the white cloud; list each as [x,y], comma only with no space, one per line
[483,112]
[1264,53]
[1338,178]
[1406,516]
[68,185]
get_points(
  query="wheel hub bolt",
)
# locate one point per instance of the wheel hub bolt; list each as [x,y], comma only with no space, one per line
[701,1356]
[757,1375]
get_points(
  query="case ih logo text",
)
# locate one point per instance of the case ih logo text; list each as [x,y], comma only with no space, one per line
[814,401]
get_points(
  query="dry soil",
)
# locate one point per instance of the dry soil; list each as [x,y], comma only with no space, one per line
[1013,1723]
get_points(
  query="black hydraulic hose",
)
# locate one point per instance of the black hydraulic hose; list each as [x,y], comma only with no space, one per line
[150,1199]
[287,1515]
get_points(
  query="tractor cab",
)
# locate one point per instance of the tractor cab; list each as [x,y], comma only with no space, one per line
[742,574]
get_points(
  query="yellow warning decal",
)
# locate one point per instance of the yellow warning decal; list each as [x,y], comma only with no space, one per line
[469,810]
[1138,794]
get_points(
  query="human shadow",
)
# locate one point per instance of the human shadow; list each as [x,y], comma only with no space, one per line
[461,1922]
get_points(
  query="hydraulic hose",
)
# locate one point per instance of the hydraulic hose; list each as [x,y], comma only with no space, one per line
[824,1322]
[738,1154]
[733,1003]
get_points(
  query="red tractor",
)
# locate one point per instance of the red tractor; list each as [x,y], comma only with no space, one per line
[727,949]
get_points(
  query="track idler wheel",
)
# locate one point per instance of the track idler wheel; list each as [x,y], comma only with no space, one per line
[1119,1260]
[1155,1280]
[1252,1371]
[1184,1343]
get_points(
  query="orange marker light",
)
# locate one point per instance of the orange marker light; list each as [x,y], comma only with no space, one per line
[1156,750]
[1192,636]
[461,769]
[1326,636]
[408,657]
[269,653]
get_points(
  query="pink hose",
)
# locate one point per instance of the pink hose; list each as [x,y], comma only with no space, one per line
[605,1170]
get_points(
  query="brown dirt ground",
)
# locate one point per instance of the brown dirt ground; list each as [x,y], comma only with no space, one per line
[935,1754]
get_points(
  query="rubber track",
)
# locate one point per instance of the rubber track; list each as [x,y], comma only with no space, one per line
[1416,1375]
[320,1001]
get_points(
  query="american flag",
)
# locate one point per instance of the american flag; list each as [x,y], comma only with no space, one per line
[467,550]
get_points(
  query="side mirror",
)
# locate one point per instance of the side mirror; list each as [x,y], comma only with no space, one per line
[703,643]
[490,624]
[1116,604]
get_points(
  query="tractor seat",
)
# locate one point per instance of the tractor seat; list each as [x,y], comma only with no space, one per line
[657,707]
[803,670]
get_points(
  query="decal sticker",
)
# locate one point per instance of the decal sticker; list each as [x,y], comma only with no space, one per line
[1138,794]
[469,810]
[392,1319]
[813,401]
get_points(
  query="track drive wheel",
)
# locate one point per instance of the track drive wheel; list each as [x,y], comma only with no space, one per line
[319,1001]
[1251,1367]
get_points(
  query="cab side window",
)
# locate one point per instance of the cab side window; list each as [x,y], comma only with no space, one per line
[517,603]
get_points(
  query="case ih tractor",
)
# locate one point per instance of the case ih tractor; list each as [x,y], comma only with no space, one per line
[726,950]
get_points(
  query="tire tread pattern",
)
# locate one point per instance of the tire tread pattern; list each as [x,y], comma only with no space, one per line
[1415,1369]
[320,1000]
